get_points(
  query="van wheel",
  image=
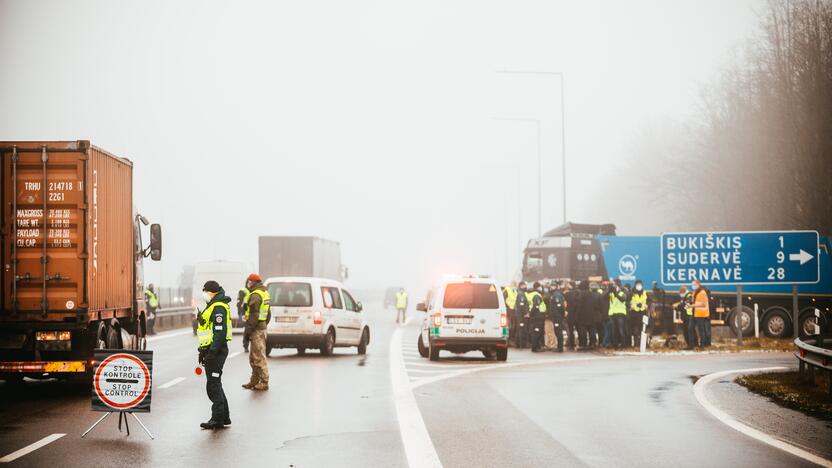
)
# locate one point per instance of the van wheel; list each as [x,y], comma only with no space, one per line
[362,345]
[433,353]
[423,351]
[301,351]
[329,343]
[502,354]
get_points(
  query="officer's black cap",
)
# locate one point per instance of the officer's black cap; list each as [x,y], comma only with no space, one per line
[211,286]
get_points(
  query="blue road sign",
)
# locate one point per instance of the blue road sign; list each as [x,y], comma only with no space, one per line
[788,257]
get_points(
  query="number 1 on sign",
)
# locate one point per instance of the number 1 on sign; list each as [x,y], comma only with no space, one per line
[781,241]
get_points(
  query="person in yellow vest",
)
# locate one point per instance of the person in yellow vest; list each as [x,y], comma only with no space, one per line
[639,303]
[683,307]
[401,305]
[537,317]
[702,314]
[152,302]
[214,333]
[618,314]
[510,297]
[242,294]
[257,317]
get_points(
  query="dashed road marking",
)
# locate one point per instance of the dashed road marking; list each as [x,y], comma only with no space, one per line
[233,355]
[31,448]
[699,392]
[172,382]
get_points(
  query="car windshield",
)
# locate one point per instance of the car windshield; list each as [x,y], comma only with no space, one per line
[291,294]
[470,296]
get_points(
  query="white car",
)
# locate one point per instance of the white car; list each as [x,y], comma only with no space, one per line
[465,313]
[314,313]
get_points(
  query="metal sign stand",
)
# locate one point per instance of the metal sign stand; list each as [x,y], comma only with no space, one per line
[121,416]
[738,315]
[795,312]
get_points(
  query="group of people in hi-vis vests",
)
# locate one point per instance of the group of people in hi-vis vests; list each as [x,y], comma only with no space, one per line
[551,315]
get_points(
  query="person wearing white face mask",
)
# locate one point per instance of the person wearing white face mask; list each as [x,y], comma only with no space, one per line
[638,308]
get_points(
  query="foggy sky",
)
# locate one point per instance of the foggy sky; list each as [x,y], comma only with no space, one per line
[367,122]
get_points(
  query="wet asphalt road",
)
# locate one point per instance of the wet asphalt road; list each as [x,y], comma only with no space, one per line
[578,410]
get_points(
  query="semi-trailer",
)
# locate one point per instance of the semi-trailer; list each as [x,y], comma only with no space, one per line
[71,259]
[583,251]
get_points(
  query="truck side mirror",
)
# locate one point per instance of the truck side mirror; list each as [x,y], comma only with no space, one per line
[421,307]
[155,242]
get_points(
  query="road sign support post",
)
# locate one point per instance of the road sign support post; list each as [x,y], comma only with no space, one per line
[795,312]
[756,320]
[96,423]
[738,315]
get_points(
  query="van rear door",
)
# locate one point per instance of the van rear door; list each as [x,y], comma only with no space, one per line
[291,307]
[471,310]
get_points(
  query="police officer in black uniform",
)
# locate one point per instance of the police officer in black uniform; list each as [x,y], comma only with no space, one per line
[521,315]
[214,332]
[555,308]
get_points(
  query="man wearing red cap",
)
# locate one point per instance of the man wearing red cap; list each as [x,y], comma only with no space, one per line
[256,319]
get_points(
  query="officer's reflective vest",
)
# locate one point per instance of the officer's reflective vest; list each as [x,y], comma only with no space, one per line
[617,306]
[265,300]
[245,292]
[401,300]
[152,300]
[688,307]
[205,328]
[638,302]
[541,307]
[511,297]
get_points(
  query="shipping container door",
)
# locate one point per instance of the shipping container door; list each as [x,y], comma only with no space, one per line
[43,213]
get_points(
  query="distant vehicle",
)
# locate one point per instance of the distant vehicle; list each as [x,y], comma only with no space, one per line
[390,297]
[72,257]
[314,313]
[465,313]
[300,256]
[231,275]
[580,251]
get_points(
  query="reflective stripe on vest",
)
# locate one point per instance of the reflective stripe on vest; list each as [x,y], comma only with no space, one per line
[617,306]
[265,301]
[401,300]
[511,297]
[205,330]
[542,306]
[152,301]
[638,303]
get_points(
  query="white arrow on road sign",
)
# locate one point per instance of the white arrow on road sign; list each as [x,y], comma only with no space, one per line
[803,256]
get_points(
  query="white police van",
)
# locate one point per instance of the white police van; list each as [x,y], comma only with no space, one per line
[464,313]
[314,313]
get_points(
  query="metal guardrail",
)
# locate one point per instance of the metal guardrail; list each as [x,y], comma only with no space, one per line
[174,310]
[812,354]
[174,317]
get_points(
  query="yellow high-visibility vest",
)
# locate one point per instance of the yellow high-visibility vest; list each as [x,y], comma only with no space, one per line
[401,300]
[205,330]
[617,306]
[638,302]
[265,301]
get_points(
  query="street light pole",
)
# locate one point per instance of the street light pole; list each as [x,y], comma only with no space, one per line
[562,121]
[539,167]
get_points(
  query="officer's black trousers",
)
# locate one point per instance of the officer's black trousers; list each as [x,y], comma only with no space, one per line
[537,333]
[213,386]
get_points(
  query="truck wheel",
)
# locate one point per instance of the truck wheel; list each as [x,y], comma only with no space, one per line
[777,323]
[423,350]
[301,350]
[746,321]
[112,338]
[433,353]
[807,322]
[329,343]
[362,345]
[502,354]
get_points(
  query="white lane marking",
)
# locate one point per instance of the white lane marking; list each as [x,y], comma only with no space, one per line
[172,382]
[31,448]
[699,392]
[233,355]
[151,339]
[496,366]
[418,447]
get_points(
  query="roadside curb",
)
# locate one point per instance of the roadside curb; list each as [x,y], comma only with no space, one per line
[699,391]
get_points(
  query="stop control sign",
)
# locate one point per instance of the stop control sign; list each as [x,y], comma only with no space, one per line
[122,381]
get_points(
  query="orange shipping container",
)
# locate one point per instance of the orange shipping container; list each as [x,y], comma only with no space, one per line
[67,232]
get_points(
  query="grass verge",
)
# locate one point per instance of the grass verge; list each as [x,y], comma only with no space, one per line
[787,389]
